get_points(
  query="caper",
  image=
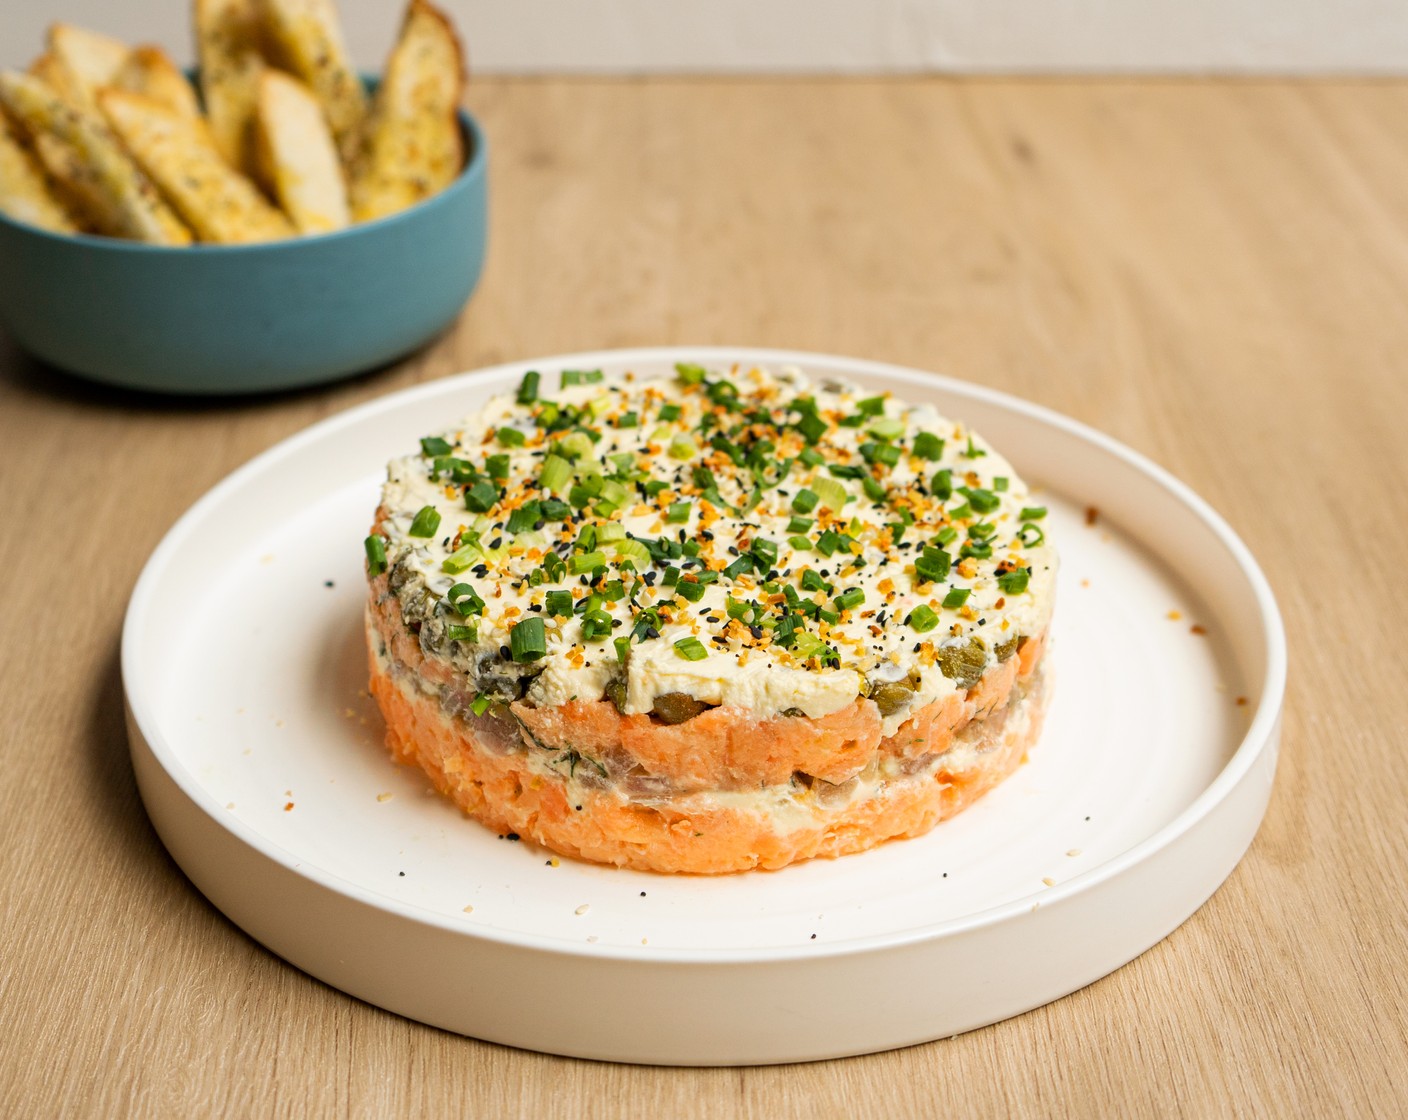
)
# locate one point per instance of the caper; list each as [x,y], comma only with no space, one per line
[892,697]
[616,693]
[676,707]
[964,665]
[1008,648]
[794,713]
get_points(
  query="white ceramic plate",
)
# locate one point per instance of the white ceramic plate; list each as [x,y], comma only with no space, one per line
[259,759]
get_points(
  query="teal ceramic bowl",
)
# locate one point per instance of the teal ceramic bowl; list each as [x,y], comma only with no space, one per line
[248,318]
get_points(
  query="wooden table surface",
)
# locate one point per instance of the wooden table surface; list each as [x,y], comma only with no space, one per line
[1213,272]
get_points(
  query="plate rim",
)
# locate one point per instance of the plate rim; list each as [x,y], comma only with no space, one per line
[1259,734]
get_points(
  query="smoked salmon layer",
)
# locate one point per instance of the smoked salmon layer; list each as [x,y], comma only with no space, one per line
[559,778]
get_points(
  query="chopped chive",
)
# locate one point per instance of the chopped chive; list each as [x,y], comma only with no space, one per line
[376,555]
[691,649]
[426,521]
[849,599]
[922,619]
[528,387]
[956,597]
[528,641]
[928,446]
[585,562]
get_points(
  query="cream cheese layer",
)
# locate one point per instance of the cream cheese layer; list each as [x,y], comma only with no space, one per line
[735,536]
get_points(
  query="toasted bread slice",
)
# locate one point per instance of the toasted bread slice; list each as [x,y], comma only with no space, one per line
[297,156]
[129,205]
[25,193]
[149,71]
[91,56]
[227,41]
[59,76]
[306,37]
[217,202]
[413,145]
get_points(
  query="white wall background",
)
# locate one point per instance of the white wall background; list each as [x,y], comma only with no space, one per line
[853,36]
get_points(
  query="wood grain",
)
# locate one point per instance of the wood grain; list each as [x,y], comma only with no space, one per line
[1214,272]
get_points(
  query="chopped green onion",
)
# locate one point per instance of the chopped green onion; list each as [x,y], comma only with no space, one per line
[933,564]
[689,374]
[830,493]
[800,543]
[528,641]
[741,566]
[805,501]
[461,632]
[678,513]
[481,497]
[1000,483]
[871,406]
[511,437]
[465,600]
[736,609]
[812,581]
[528,387]
[941,485]
[623,647]
[497,467]
[426,521]
[1030,535]
[669,412]
[1032,513]
[596,626]
[764,552]
[376,555]
[687,589]
[984,501]
[628,420]
[554,510]
[433,445]
[956,597]
[928,446]
[556,474]
[580,377]
[585,562]
[887,429]
[1015,581]
[682,447]
[558,604]
[573,445]
[874,489]
[800,524]
[691,649]
[973,452]
[922,619]
[525,517]
[849,599]
[812,427]
[480,705]
[635,552]
[461,558]
[672,576]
